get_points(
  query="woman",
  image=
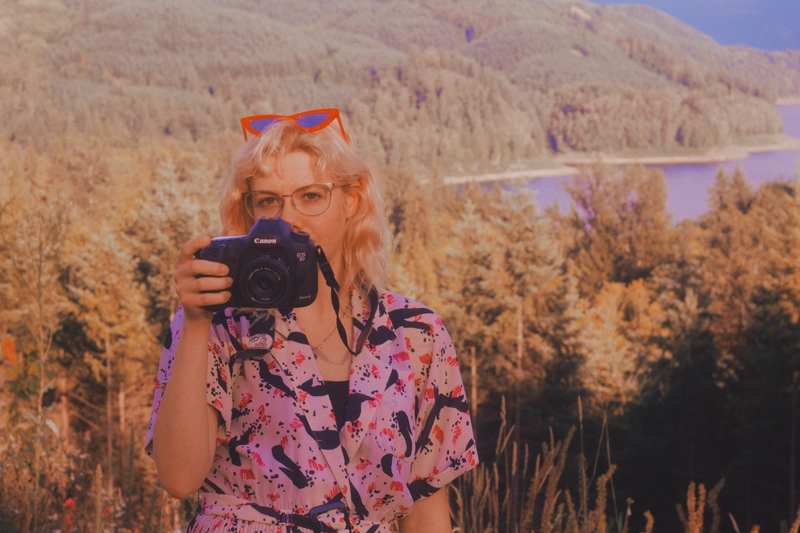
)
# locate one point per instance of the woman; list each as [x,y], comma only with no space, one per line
[283,419]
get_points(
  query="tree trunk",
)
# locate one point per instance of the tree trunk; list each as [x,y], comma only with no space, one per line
[122,443]
[515,487]
[42,348]
[793,448]
[98,498]
[109,420]
[473,365]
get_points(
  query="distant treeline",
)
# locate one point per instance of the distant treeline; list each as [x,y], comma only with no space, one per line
[432,85]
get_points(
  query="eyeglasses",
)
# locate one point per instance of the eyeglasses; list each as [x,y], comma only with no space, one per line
[309,121]
[311,200]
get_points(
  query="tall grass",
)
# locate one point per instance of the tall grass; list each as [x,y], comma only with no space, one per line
[483,495]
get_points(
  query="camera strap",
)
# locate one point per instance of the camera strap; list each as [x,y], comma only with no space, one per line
[330,280]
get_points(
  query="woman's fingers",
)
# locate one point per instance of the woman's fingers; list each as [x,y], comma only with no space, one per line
[190,248]
[205,283]
[200,283]
[200,267]
[209,283]
[195,300]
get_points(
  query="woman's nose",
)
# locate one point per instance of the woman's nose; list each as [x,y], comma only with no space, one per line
[289,214]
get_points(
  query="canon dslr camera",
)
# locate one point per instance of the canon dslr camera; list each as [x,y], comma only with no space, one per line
[272,266]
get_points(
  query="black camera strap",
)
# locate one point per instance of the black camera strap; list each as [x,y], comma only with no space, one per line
[330,280]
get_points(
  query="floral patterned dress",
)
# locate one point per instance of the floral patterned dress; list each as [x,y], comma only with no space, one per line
[281,464]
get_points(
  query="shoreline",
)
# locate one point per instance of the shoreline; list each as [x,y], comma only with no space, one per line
[714,155]
[513,175]
[569,163]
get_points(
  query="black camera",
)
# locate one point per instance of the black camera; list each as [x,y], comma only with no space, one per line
[272,266]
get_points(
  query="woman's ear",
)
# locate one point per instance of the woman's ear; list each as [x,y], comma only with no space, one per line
[352,199]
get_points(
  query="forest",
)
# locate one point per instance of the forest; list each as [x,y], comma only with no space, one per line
[645,356]
[625,373]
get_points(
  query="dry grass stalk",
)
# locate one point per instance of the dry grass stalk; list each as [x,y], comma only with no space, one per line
[713,503]
[735,525]
[572,516]
[796,524]
[547,474]
[583,488]
[597,521]
[558,456]
[629,503]
[695,505]
[648,526]
[540,474]
[508,504]
[477,493]
[558,521]
[682,514]
[483,484]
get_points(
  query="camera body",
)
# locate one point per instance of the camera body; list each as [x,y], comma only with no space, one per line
[271,267]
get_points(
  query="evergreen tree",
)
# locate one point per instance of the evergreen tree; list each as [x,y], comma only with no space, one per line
[111,308]
[620,229]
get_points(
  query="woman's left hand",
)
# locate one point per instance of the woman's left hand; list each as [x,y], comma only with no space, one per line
[429,515]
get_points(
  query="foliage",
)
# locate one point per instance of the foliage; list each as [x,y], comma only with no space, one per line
[80,335]
[460,87]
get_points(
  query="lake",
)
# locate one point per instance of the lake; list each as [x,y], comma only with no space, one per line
[687,185]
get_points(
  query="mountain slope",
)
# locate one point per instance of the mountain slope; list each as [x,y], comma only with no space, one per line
[433,84]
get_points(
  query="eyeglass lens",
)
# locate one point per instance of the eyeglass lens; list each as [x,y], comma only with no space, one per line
[263,124]
[306,121]
[312,120]
[311,200]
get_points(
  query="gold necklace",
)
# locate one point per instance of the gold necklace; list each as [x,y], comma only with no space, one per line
[346,359]
[323,341]
[319,353]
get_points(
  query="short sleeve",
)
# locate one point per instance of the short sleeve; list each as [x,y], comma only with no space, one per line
[445,443]
[218,382]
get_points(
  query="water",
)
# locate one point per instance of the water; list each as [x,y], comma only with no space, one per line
[687,185]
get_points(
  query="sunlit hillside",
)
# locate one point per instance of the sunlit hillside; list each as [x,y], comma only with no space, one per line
[426,85]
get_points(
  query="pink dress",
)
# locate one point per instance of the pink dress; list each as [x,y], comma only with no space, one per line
[281,464]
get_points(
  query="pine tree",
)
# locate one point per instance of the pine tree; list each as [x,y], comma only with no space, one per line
[621,228]
[111,307]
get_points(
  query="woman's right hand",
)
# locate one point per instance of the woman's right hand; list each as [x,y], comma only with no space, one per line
[198,282]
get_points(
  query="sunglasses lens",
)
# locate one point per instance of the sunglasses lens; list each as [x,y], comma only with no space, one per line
[262,124]
[312,120]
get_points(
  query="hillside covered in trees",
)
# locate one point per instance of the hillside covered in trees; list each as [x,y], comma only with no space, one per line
[454,86]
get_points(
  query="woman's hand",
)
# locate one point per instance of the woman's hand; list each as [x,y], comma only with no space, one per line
[429,515]
[200,283]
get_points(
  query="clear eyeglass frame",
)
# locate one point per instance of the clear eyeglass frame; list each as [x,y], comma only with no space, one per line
[310,200]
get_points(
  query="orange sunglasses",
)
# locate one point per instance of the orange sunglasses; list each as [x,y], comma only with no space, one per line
[309,121]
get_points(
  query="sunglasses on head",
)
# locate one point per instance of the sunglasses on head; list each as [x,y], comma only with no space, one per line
[309,121]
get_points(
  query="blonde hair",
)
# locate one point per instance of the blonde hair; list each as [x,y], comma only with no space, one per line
[366,232]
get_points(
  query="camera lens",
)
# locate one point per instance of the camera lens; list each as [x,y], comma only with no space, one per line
[265,282]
